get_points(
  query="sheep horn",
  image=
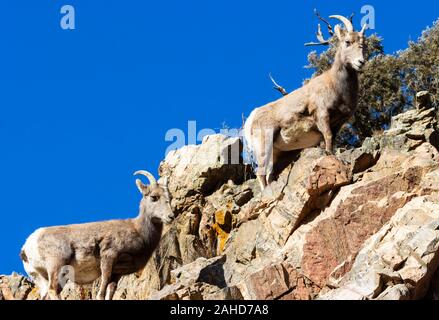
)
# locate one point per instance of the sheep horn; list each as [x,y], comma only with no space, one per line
[348,25]
[365,27]
[150,177]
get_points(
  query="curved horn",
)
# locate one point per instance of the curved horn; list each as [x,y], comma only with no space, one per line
[145,173]
[365,27]
[348,24]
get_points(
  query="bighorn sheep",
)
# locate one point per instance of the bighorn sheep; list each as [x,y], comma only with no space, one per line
[312,113]
[108,249]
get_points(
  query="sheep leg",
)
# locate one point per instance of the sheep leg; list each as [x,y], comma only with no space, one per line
[262,180]
[264,154]
[53,292]
[325,128]
[42,286]
[106,269]
[261,173]
[111,289]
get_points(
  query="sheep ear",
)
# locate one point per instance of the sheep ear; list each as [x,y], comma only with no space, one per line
[142,188]
[339,32]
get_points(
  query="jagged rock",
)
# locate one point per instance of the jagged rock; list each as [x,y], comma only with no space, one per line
[324,247]
[357,212]
[278,281]
[302,188]
[17,287]
[198,291]
[251,247]
[360,159]
[399,260]
[72,291]
[329,174]
[202,270]
[196,171]
[409,130]
[220,213]
[201,280]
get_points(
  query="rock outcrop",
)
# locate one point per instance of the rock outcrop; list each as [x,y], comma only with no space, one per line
[398,261]
[363,224]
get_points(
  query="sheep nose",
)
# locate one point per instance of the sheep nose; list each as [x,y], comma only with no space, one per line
[361,61]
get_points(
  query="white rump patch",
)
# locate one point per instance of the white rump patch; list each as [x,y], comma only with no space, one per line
[30,248]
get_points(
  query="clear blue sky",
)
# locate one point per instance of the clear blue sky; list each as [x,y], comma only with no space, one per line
[81,110]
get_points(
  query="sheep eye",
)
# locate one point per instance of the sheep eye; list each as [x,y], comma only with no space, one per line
[155,198]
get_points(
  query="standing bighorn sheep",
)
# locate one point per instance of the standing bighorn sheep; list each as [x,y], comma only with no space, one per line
[108,249]
[313,113]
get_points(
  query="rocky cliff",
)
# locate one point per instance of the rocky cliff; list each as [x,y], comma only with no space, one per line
[363,224]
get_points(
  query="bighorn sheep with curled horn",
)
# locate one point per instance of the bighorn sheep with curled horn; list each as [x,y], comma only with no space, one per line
[312,113]
[108,249]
